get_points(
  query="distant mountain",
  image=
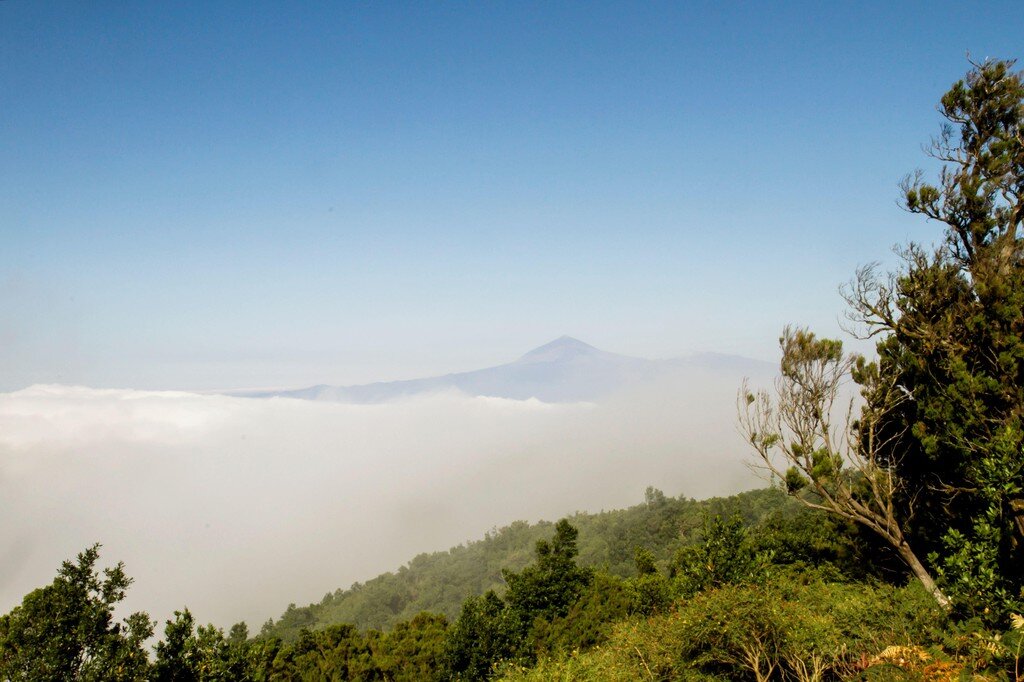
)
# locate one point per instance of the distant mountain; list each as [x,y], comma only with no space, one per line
[564,370]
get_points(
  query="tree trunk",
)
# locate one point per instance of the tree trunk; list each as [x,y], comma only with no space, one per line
[1017,506]
[922,574]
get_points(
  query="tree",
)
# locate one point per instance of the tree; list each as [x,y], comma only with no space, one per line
[799,441]
[490,629]
[190,653]
[66,630]
[950,330]
[723,556]
[479,639]
[650,591]
[934,459]
[413,651]
[547,588]
[238,635]
[177,658]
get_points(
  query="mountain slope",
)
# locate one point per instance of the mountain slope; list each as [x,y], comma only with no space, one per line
[440,582]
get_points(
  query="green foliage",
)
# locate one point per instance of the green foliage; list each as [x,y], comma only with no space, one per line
[442,581]
[803,538]
[724,555]
[490,630]
[238,634]
[802,349]
[199,654]
[645,561]
[482,637]
[968,567]
[438,582]
[795,481]
[991,653]
[784,629]
[557,619]
[552,584]
[176,655]
[650,592]
[952,340]
[589,621]
[66,630]
[413,651]
[337,652]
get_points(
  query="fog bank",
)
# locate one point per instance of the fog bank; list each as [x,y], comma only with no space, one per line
[235,507]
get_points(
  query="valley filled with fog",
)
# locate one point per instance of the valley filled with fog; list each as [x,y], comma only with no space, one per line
[236,506]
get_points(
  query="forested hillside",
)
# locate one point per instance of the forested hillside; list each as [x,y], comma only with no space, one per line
[524,596]
[441,582]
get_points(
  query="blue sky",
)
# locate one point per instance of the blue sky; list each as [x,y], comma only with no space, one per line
[210,195]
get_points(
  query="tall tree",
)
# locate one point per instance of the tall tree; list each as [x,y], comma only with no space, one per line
[934,463]
[548,587]
[490,629]
[950,330]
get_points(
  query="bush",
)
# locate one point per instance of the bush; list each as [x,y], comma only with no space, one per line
[781,628]
[725,555]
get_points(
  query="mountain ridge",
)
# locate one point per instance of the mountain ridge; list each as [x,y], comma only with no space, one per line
[563,370]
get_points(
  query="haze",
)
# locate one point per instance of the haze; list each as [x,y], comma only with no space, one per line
[236,507]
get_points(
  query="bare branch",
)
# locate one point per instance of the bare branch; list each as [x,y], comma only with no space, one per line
[798,442]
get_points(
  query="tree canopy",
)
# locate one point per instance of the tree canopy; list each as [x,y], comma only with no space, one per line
[66,630]
[934,461]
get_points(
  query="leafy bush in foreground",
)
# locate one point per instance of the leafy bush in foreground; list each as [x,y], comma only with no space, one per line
[785,627]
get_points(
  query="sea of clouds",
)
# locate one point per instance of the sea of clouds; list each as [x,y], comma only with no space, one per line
[236,507]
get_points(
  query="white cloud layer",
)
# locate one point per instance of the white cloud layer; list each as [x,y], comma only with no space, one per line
[235,507]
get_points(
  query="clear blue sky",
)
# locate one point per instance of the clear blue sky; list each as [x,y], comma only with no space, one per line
[203,195]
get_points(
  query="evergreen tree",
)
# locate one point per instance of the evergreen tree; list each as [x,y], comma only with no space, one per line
[936,466]
[490,629]
[549,587]
[951,339]
[66,630]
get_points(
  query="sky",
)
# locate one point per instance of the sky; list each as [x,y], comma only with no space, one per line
[205,195]
[198,196]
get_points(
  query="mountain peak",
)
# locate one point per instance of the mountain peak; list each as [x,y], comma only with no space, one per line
[562,348]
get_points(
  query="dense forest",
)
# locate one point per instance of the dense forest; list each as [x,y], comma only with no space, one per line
[888,546]
[441,582]
[523,594]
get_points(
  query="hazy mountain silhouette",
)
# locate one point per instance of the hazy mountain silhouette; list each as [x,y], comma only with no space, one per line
[564,370]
